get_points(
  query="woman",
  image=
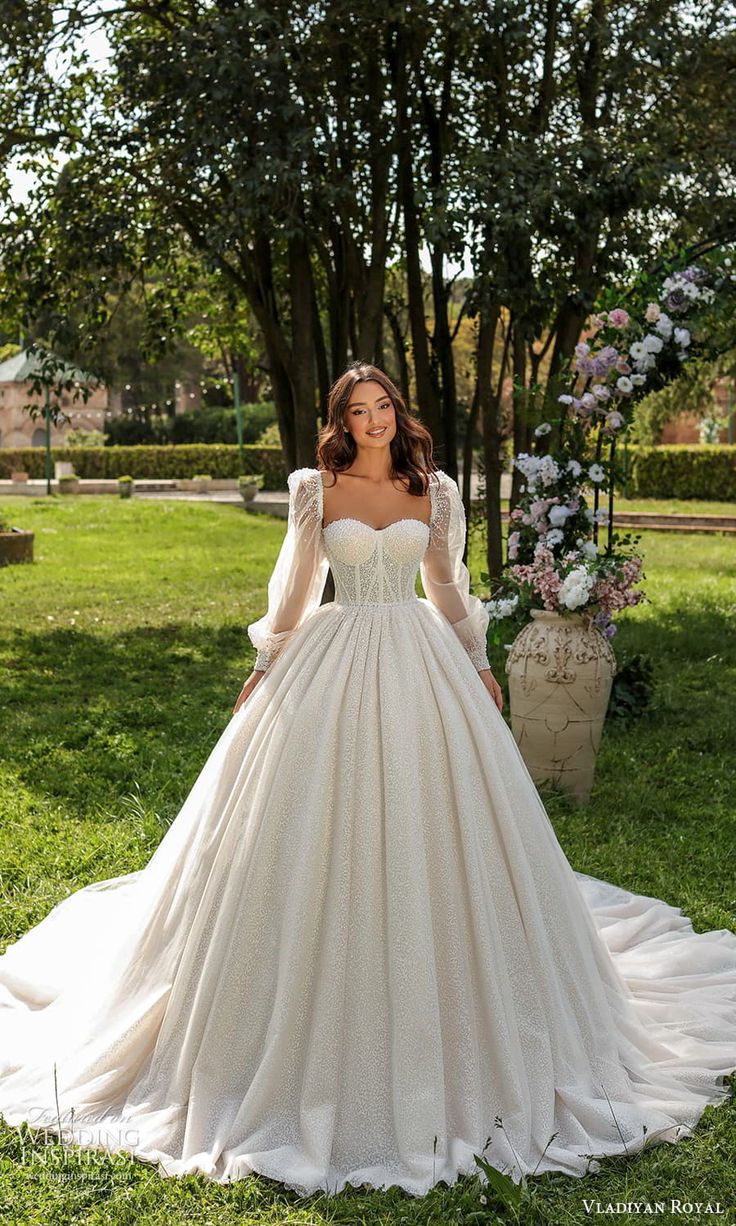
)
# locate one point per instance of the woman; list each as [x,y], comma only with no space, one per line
[360,951]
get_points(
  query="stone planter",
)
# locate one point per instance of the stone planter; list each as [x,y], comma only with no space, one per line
[19,476]
[16,545]
[248,490]
[125,489]
[560,671]
[69,485]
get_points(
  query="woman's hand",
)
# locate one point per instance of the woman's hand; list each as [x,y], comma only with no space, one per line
[492,686]
[247,689]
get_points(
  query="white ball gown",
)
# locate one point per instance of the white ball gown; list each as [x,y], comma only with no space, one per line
[360,943]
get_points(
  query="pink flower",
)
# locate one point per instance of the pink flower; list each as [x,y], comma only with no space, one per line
[618,318]
[514,545]
[652,313]
[615,591]
[541,577]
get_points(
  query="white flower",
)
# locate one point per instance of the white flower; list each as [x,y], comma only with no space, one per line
[682,337]
[596,473]
[565,399]
[601,516]
[640,357]
[543,428]
[590,549]
[664,326]
[652,343]
[638,380]
[503,607]
[554,537]
[624,385]
[574,467]
[558,515]
[576,588]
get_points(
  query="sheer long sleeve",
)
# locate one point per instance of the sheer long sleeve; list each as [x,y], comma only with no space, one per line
[298,578]
[446,578]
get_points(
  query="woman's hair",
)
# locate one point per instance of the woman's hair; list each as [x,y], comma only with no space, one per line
[411,446]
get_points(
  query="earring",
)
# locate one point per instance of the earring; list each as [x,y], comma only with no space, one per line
[345,431]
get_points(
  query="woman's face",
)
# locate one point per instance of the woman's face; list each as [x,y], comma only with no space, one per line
[370,415]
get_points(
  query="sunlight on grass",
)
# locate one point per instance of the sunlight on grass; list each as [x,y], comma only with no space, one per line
[122,649]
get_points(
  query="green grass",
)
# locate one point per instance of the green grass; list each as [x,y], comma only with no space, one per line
[121,652]
[676,506]
[669,506]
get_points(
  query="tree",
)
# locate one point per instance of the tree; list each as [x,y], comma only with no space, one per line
[309,157]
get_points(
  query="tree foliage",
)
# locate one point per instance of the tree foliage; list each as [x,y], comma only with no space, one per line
[323,170]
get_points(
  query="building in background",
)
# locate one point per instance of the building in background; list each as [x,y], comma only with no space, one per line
[686,427]
[19,429]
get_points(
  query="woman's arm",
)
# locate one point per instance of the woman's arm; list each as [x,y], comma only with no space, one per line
[446,581]
[298,577]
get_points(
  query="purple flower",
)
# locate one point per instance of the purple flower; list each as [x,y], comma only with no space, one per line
[676,301]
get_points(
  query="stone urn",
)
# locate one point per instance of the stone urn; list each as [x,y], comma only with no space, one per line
[248,488]
[560,670]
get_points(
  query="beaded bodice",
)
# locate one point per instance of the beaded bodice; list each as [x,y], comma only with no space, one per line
[372,565]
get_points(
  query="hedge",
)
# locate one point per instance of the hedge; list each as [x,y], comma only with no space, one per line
[172,461]
[676,471]
[682,471]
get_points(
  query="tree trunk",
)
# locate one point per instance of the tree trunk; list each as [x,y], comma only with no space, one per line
[489,402]
[302,370]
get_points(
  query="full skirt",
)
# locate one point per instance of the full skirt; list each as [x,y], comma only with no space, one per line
[359,952]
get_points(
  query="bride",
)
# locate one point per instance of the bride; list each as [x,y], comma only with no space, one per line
[360,951]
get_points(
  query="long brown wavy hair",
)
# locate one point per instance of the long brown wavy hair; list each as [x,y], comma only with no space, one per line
[411,446]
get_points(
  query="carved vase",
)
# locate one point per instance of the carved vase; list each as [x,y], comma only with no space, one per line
[560,670]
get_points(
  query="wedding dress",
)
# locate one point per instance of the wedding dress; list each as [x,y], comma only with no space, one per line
[359,951]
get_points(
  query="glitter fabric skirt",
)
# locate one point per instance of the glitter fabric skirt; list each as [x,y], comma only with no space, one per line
[359,951]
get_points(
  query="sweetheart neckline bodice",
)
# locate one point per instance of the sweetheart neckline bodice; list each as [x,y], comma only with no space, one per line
[349,519]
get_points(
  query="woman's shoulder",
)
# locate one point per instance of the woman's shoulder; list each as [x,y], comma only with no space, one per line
[442,479]
[304,476]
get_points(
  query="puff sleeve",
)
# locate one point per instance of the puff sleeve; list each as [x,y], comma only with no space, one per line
[298,578]
[446,578]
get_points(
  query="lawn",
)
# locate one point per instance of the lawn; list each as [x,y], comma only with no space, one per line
[670,506]
[121,652]
[676,506]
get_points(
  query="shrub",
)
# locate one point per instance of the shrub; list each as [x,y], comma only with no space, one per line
[220,460]
[202,426]
[682,471]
